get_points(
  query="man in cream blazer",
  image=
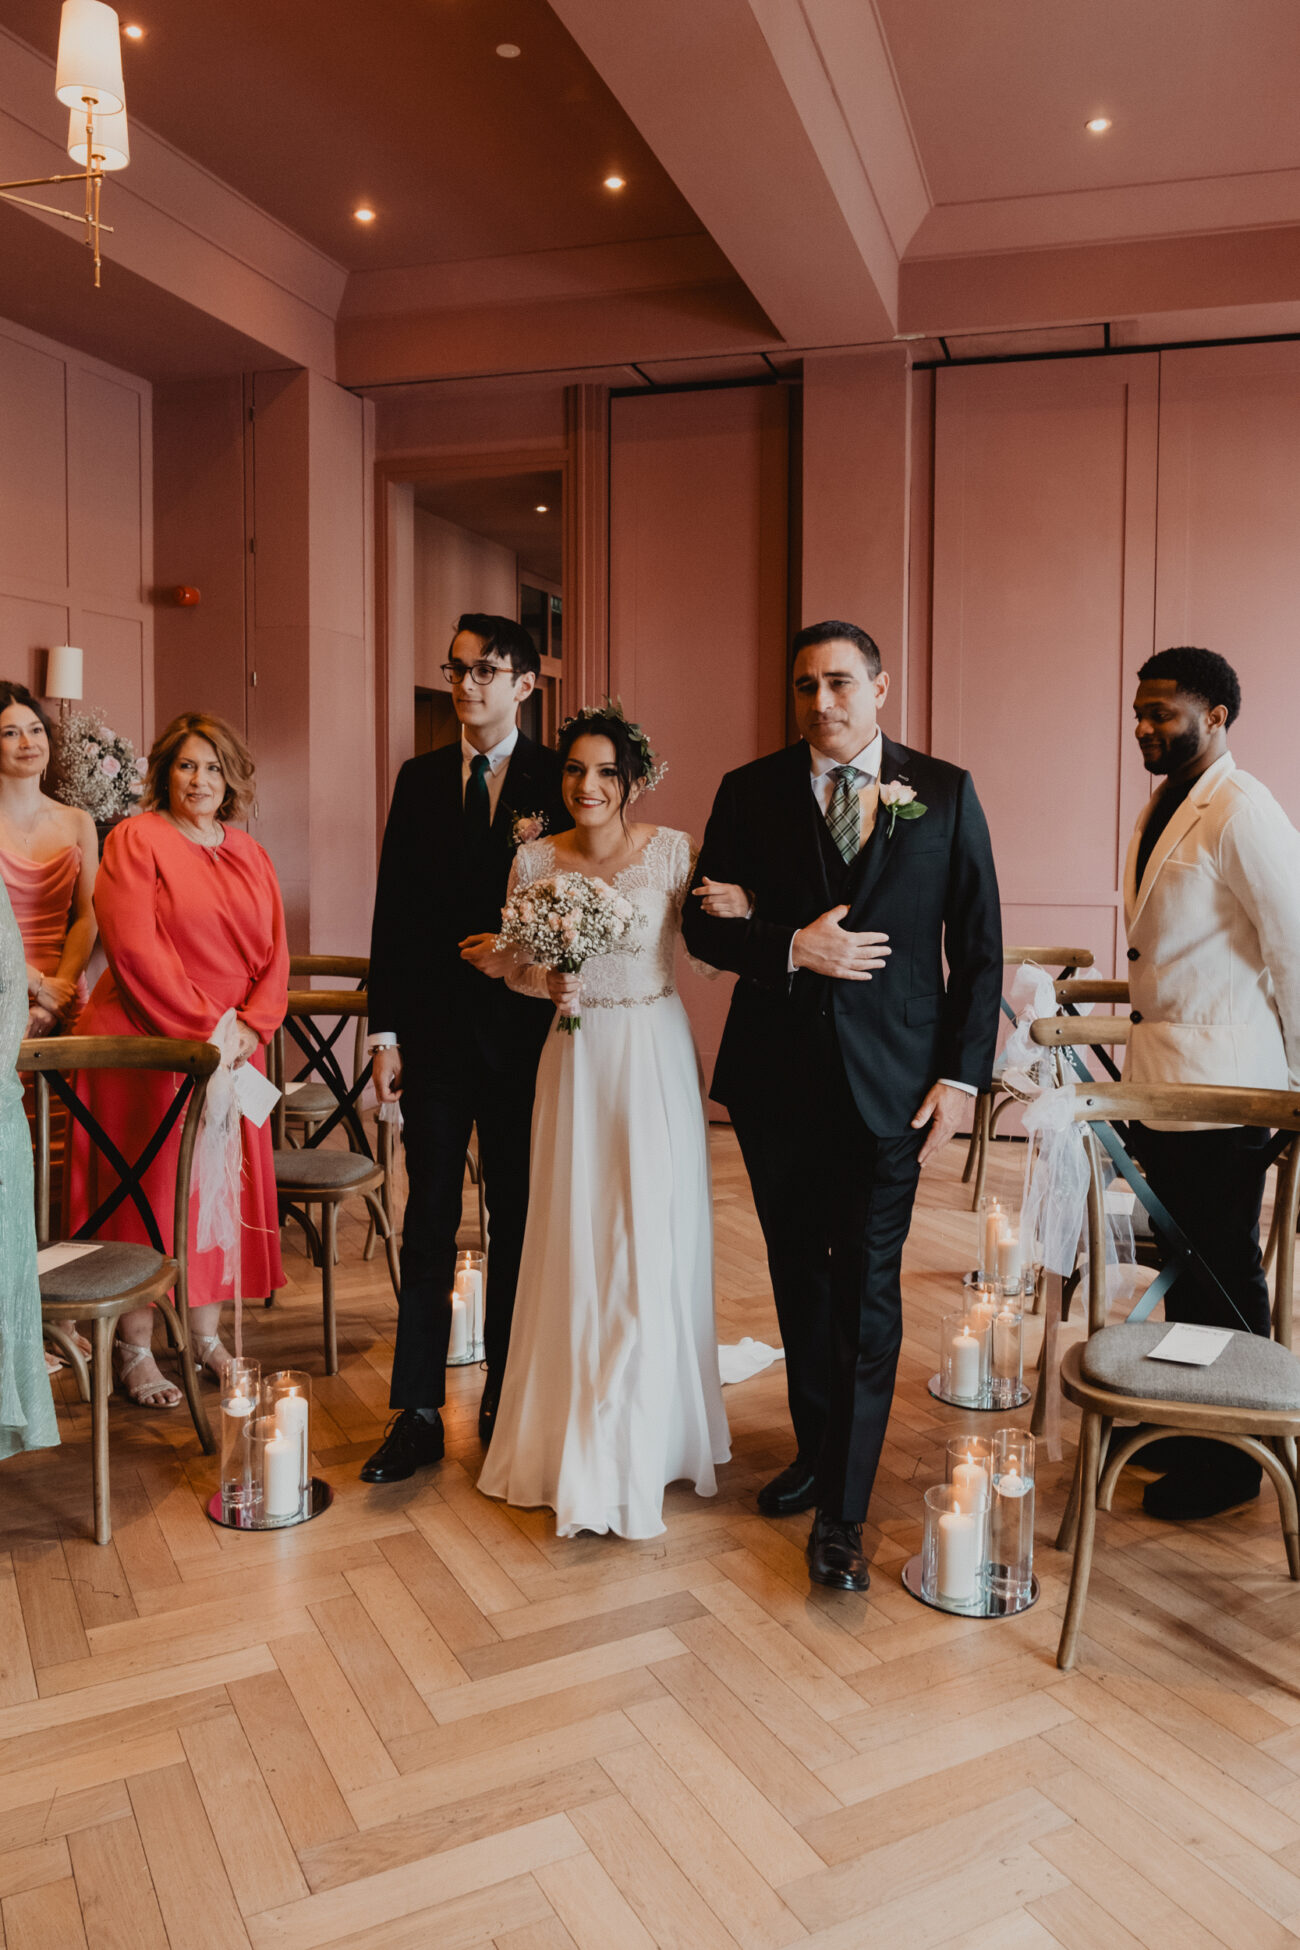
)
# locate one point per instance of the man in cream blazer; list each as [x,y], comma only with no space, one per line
[1212,906]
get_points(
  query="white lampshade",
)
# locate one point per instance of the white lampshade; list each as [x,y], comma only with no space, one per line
[63,671]
[89,72]
[110,144]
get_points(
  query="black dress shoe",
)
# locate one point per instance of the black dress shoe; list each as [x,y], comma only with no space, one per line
[487,1408]
[410,1441]
[790,1493]
[1186,1495]
[835,1555]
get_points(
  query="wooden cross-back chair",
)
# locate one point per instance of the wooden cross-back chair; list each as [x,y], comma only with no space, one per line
[1249,1397]
[313,1174]
[117,1277]
[990,1104]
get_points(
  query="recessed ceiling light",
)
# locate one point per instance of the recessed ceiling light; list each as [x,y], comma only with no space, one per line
[364,214]
[508,51]
[1098,125]
[542,508]
[134,33]
[615,183]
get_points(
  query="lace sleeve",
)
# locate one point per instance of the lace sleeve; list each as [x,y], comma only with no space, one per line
[521,975]
[686,854]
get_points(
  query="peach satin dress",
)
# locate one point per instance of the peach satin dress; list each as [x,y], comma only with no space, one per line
[40,893]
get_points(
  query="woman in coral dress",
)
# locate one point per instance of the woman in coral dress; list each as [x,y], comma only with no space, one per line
[193,925]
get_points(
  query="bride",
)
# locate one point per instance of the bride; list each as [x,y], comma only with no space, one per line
[611,1387]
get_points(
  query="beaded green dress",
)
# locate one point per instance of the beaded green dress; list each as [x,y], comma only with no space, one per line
[27,1419]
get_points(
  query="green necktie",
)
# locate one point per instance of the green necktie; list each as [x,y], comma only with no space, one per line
[478,806]
[844,814]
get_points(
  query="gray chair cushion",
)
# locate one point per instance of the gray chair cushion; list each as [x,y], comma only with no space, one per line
[314,1102]
[321,1170]
[102,1275]
[1250,1373]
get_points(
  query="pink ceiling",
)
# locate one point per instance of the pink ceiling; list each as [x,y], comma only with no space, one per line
[309,107]
[998,91]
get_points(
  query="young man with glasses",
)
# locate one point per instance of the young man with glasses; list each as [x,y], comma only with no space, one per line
[457,1049]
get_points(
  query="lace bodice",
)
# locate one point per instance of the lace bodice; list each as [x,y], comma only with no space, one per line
[656,883]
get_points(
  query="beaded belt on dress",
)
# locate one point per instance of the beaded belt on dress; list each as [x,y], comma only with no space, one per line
[625,1001]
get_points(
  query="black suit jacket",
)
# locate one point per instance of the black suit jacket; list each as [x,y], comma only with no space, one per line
[433,890]
[931,887]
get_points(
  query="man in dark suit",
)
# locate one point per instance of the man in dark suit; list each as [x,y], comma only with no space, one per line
[457,1048]
[847,1060]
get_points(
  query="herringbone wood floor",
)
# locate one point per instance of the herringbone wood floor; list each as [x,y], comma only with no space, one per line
[422,1720]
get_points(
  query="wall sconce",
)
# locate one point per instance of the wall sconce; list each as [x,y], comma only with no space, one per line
[63,675]
[88,80]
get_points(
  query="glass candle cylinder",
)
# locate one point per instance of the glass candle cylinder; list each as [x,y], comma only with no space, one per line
[1011,1518]
[471,1269]
[970,1471]
[985,1299]
[274,1460]
[988,1216]
[1010,1259]
[240,1383]
[953,1551]
[286,1398]
[963,1359]
[1007,1353]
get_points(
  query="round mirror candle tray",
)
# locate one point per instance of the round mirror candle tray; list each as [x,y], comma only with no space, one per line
[981,1352]
[977,1546]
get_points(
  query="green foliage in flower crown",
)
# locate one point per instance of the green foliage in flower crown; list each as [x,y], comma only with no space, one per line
[652,769]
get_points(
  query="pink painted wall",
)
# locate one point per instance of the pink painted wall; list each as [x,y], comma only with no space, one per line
[857,441]
[200,539]
[1229,568]
[1043,586]
[698,591]
[76,524]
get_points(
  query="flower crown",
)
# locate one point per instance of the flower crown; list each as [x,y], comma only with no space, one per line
[652,768]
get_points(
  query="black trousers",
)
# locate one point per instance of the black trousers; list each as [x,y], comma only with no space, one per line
[441,1103]
[1213,1184]
[835,1204]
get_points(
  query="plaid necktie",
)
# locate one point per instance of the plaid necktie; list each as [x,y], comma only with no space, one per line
[478,806]
[844,814]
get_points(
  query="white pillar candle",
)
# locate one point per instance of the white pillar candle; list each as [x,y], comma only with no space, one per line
[281,1479]
[238,1408]
[1011,1483]
[1009,1255]
[970,1485]
[291,1418]
[469,1288]
[983,1311]
[965,1364]
[992,1233]
[958,1564]
[459,1344]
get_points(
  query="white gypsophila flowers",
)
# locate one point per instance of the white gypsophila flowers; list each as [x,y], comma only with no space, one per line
[567,920]
[97,769]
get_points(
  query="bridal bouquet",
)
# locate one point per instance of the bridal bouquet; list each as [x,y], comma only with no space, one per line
[565,921]
[96,768]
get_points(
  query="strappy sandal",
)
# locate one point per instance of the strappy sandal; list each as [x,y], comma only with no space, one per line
[210,1354]
[145,1393]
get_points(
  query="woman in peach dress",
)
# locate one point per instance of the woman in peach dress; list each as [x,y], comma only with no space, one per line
[48,856]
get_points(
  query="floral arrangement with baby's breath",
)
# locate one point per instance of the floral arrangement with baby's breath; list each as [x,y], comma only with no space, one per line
[96,768]
[567,920]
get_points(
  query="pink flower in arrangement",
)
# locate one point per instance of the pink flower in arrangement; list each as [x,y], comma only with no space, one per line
[553,921]
[623,908]
[527,913]
[110,766]
[135,788]
[569,927]
[142,766]
[89,747]
[106,733]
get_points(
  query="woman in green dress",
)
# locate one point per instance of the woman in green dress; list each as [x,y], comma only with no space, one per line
[27,1418]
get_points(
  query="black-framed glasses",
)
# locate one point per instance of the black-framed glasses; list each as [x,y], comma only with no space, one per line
[482,672]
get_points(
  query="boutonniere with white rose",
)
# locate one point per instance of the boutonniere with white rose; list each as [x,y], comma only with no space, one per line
[902,803]
[527,827]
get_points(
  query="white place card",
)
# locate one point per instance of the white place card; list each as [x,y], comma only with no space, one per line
[1195,1347]
[51,1256]
[255,1094]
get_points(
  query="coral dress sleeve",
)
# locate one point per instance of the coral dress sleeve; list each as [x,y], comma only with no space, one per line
[264,1008]
[156,992]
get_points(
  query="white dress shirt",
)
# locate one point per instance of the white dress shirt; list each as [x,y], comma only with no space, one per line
[498,758]
[823,785]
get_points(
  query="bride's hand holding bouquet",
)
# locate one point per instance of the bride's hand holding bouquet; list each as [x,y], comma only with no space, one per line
[563,922]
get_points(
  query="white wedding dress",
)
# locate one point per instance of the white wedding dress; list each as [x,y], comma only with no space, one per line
[611,1388]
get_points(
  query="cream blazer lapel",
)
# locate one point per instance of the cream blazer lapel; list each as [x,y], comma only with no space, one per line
[1135,897]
